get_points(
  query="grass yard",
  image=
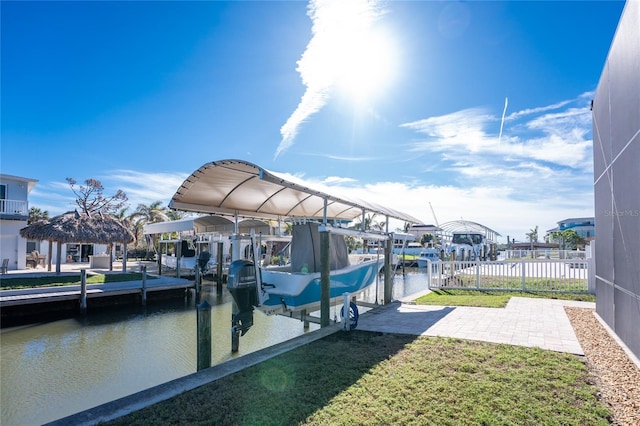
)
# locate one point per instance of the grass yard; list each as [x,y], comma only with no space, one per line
[60,280]
[491,299]
[389,379]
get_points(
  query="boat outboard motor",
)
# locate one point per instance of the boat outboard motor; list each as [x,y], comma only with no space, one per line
[203,260]
[243,286]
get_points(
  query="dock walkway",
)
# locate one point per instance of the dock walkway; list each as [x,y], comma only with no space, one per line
[28,296]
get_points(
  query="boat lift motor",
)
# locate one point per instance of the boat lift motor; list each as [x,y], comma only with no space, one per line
[243,286]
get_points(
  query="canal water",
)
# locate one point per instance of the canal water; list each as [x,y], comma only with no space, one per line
[55,369]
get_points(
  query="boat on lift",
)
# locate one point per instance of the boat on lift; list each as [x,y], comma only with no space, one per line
[243,189]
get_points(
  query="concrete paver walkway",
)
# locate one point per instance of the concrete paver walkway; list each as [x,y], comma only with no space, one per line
[524,321]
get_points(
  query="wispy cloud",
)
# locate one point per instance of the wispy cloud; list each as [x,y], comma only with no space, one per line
[550,135]
[145,188]
[141,188]
[333,23]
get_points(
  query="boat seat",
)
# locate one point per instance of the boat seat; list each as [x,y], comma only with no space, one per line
[5,266]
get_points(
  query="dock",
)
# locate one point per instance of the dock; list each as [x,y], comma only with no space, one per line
[20,304]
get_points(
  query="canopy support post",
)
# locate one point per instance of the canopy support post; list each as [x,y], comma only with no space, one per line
[325,272]
[388,283]
[325,279]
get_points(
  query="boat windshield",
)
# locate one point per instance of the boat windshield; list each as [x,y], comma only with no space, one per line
[470,239]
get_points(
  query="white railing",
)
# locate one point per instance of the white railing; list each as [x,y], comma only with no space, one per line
[523,275]
[541,254]
[14,207]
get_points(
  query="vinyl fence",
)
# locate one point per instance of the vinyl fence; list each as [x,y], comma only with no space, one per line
[569,276]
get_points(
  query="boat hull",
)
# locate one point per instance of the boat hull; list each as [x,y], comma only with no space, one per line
[298,291]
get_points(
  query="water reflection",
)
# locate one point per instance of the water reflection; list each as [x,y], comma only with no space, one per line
[51,370]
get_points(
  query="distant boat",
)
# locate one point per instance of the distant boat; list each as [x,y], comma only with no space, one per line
[427,255]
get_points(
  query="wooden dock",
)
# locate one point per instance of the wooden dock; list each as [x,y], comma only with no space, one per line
[20,305]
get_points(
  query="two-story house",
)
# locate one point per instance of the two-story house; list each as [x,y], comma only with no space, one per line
[583,226]
[14,213]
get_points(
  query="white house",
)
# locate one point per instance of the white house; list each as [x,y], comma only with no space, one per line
[14,213]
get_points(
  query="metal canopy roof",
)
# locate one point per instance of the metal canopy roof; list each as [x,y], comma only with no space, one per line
[238,187]
[449,228]
[197,224]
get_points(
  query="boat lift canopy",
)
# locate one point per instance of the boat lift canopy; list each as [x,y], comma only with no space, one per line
[240,188]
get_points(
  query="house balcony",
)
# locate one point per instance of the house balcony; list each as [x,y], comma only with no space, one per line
[14,210]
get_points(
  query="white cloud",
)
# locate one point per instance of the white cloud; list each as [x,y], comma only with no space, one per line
[501,208]
[336,24]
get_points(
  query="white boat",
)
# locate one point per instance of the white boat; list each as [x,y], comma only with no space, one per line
[297,286]
[243,189]
[426,255]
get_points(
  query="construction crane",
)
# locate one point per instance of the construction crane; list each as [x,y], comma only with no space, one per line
[434,215]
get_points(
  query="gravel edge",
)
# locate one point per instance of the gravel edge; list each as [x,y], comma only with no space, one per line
[615,374]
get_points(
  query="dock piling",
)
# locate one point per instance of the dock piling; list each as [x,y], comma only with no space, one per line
[83,291]
[143,269]
[219,254]
[197,283]
[388,278]
[204,335]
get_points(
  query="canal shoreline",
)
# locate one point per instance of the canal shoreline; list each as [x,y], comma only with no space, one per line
[128,404]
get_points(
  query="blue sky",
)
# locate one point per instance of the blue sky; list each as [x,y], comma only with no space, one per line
[480,108]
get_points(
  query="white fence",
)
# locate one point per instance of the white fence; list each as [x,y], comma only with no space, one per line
[541,254]
[570,276]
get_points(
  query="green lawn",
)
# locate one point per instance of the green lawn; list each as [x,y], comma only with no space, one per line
[491,299]
[365,378]
[59,280]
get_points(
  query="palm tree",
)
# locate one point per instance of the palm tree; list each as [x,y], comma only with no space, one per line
[144,214]
[173,214]
[533,237]
[36,215]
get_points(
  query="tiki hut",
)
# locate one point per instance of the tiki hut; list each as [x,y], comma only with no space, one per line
[82,228]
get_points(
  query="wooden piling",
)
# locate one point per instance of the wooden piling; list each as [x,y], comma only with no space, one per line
[204,335]
[197,282]
[83,291]
[235,335]
[220,259]
[325,279]
[144,284]
[388,277]
[178,246]
[159,259]
[124,257]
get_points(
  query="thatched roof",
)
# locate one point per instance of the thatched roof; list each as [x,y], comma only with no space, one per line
[74,227]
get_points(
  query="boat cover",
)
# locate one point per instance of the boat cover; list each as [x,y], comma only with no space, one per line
[305,249]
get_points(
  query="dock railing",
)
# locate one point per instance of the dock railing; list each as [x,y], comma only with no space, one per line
[569,276]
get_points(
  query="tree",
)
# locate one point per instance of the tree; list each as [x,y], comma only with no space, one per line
[426,239]
[533,238]
[36,215]
[144,214]
[90,197]
[568,239]
[174,214]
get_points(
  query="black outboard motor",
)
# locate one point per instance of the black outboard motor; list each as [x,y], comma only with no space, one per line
[243,286]
[203,259]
